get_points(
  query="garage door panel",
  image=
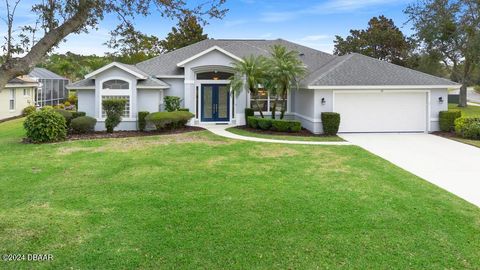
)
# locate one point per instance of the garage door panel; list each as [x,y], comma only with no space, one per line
[382,111]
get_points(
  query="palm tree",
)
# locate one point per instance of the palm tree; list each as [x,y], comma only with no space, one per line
[248,73]
[287,69]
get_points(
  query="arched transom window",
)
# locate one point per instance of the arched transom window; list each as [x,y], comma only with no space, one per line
[115,84]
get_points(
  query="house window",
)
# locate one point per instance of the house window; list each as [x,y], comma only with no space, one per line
[115,84]
[266,101]
[25,92]
[126,110]
[12,100]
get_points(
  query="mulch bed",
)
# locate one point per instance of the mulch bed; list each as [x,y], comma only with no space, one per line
[126,134]
[445,134]
[301,133]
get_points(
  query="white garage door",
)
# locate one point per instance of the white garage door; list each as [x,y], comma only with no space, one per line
[377,111]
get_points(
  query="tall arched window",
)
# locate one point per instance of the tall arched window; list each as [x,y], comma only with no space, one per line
[116,89]
[115,84]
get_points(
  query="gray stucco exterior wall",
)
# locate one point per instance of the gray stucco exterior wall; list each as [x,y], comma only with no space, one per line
[176,89]
[86,102]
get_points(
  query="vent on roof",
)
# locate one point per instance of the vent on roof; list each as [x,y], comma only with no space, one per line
[301,54]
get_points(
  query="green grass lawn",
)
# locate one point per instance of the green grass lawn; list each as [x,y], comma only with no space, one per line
[469,111]
[198,201]
[284,137]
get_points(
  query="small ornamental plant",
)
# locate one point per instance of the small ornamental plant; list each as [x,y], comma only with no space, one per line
[114,111]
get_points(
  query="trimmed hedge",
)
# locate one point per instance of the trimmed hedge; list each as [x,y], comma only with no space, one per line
[447,119]
[468,128]
[66,114]
[169,120]
[78,114]
[330,122]
[274,124]
[183,110]
[248,112]
[252,122]
[83,124]
[28,110]
[45,126]
[142,123]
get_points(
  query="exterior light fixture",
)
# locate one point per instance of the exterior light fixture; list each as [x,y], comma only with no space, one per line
[323,101]
[440,100]
[215,78]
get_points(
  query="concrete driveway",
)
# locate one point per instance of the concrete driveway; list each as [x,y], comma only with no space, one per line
[448,164]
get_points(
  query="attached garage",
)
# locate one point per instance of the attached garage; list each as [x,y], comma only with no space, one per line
[382,110]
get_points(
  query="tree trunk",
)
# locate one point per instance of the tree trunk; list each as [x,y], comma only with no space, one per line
[258,108]
[462,101]
[284,107]
[274,108]
[14,67]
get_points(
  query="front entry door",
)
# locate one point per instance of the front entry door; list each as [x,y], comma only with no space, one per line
[215,103]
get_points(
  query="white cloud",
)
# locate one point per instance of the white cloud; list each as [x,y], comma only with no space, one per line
[315,37]
[328,7]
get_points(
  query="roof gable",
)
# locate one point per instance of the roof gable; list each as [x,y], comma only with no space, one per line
[127,68]
[200,54]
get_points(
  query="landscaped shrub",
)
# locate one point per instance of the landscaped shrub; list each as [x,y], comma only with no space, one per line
[183,110]
[447,119]
[169,120]
[330,122]
[286,125]
[66,114]
[252,122]
[466,127]
[78,114]
[72,98]
[114,111]
[29,110]
[172,103]
[142,123]
[472,131]
[45,126]
[264,123]
[67,103]
[477,88]
[83,124]
[248,112]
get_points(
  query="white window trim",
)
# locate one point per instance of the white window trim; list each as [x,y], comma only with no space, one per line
[116,92]
[13,97]
[268,103]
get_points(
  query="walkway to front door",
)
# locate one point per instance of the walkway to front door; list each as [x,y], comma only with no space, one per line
[215,103]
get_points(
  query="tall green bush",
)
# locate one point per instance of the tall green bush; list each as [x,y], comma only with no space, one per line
[248,112]
[447,119]
[142,122]
[466,127]
[45,126]
[330,122]
[114,111]
[172,103]
[28,110]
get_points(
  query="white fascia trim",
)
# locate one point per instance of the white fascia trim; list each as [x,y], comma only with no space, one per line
[182,64]
[21,85]
[153,87]
[115,64]
[80,88]
[366,87]
[170,76]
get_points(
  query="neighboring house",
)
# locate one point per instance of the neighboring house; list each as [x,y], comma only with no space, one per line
[52,87]
[17,94]
[371,95]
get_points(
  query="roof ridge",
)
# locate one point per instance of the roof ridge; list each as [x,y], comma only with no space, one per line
[406,68]
[347,57]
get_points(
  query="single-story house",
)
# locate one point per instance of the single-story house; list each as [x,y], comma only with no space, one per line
[16,95]
[371,95]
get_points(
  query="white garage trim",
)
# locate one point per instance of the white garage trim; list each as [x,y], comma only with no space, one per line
[428,118]
[367,87]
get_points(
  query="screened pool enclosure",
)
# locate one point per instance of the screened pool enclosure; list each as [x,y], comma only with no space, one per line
[52,87]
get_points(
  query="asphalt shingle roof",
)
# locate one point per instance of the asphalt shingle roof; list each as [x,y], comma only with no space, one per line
[43,73]
[82,83]
[323,69]
[151,82]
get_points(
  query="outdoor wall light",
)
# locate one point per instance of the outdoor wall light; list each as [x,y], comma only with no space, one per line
[323,101]
[440,100]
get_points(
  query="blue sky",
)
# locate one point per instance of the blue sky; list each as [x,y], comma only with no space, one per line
[312,23]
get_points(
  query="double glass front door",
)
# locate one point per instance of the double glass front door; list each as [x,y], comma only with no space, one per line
[215,102]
